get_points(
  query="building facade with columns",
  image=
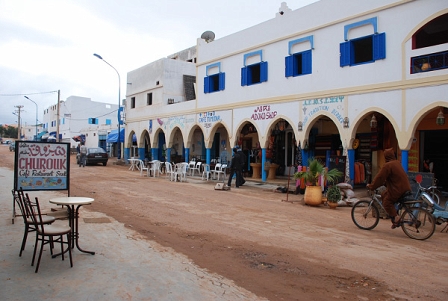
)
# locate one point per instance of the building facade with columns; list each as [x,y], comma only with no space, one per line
[320,81]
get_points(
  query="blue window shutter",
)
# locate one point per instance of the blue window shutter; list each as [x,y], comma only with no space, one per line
[244,76]
[90,120]
[345,53]
[206,85]
[263,72]
[289,66]
[307,62]
[379,46]
[222,81]
[108,122]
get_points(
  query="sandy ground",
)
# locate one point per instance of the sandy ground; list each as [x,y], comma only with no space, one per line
[275,249]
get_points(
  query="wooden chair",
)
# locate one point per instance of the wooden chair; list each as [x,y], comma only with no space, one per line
[47,234]
[27,220]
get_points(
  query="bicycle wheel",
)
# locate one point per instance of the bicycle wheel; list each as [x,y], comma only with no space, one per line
[418,223]
[365,215]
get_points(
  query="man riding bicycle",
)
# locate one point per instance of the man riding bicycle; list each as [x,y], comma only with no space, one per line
[393,176]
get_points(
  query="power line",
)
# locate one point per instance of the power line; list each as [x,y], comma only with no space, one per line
[37,93]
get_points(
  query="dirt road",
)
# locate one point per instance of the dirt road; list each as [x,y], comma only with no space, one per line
[277,250]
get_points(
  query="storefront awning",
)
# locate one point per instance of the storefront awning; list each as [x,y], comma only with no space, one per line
[113,136]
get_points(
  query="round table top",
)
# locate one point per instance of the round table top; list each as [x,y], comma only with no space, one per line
[72,200]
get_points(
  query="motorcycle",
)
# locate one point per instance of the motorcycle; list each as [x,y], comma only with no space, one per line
[440,213]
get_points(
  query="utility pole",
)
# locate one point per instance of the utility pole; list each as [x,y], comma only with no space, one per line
[19,108]
[57,119]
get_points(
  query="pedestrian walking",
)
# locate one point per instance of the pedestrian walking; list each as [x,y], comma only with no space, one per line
[83,154]
[243,164]
[235,168]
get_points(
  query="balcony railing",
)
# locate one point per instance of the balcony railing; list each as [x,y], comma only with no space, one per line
[429,62]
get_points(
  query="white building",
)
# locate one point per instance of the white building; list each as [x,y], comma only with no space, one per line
[351,79]
[81,116]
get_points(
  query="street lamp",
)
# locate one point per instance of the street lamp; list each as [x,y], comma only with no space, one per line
[118,115]
[35,138]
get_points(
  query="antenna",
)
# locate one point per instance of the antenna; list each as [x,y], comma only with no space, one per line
[208,36]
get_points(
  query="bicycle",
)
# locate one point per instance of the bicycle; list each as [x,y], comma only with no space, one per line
[416,222]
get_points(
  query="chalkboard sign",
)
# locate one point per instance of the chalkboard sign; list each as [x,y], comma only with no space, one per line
[41,166]
[338,162]
[427,180]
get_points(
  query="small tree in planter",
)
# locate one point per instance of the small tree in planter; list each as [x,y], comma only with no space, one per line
[316,170]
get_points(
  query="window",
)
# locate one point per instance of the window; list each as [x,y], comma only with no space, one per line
[298,64]
[432,33]
[215,82]
[93,120]
[361,50]
[108,122]
[215,79]
[132,102]
[149,99]
[429,62]
[254,73]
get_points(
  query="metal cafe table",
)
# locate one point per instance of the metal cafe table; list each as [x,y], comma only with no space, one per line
[73,214]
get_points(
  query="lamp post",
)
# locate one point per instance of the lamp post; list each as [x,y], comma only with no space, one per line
[118,115]
[36,114]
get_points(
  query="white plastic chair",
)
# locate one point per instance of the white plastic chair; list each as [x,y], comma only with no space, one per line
[216,170]
[206,173]
[169,170]
[222,171]
[196,167]
[155,168]
[192,164]
[142,166]
[181,171]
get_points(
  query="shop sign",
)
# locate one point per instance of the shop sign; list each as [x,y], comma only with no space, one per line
[207,119]
[327,104]
[263,113]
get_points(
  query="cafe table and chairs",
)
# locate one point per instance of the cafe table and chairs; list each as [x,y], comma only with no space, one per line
[73,203]
[134,163]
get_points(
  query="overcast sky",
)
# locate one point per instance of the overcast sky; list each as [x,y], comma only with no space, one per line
[48,45]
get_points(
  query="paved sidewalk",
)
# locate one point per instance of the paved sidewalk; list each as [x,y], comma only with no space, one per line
[125,266]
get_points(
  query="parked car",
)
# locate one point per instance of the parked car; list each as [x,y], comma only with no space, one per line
[94,155]
[12,146]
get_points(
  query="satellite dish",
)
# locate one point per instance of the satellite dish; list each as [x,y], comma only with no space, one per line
[208,36]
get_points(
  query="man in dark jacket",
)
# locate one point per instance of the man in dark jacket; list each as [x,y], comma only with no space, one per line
[235,167]
[393,176]
[243,163]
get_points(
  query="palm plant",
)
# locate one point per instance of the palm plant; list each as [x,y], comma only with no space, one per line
[315,170]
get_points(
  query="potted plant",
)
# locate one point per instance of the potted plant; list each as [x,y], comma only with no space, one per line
[333,196]
[316,170]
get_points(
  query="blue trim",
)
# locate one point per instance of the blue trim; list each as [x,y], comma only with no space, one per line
[301,40]
[154,153]
[187,154]
[141,153]
[127,154]
[373,21]
[404,160]
[351,164]
[263,162]
[207,68]
[254,53]
[208,155]
[168,155]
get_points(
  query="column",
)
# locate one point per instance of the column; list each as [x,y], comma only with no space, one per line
[404,160]
[168,154]
[208,153]
[141,153]
[187,154]
[263,162]
[154,153]
[127,153]
[351,164]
